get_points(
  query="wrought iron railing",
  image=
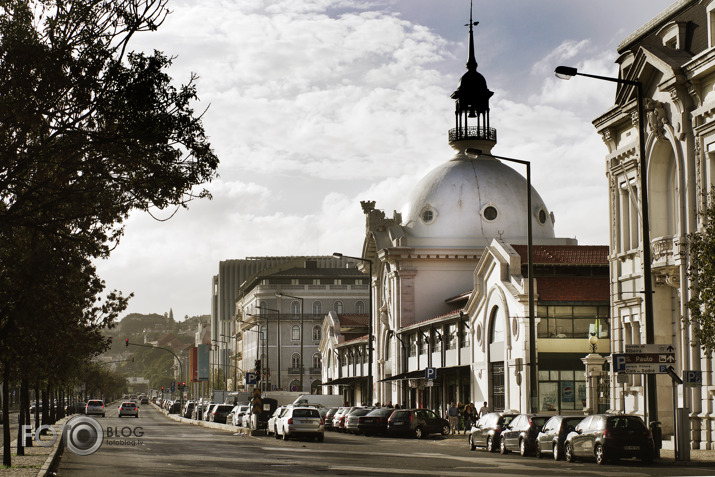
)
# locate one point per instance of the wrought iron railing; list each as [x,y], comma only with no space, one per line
[472,132]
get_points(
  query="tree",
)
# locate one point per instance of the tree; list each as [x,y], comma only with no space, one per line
[702,280]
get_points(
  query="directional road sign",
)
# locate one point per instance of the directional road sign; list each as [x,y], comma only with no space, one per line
[644,359]
[650,348]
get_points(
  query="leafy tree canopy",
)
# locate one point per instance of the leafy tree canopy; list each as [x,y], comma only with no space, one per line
[702,277]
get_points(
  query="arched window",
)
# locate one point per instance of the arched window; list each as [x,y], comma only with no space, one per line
[295,360]
[295,333]
[338,306]
[317,308]
[261,307]
[359,307]
[496,332]
[316,333]
[316,360]
[295,307]
[263,333]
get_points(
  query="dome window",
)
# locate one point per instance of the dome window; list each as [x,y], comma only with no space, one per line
[428,215]
[542,216]
[490,213]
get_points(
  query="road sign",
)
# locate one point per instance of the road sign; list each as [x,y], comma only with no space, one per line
[173,386]
[649,358]
[650,348]
[430,373]
[251,379]
[693,378]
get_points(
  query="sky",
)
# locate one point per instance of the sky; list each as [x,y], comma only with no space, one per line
[315,105]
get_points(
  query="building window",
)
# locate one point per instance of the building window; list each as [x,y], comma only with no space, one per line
[450,341]
[316,333]
[490,213]
[294,281]
[295,386]
[359,307]
[295,360]
[316,360]
[464,332]
[358,281]
[316,281]
[496,330]
[317,308]
[573,321]
[263,332]
[295,333]
[413,345]
[424,348]
[337,281]
[338,306]
[562,390]
[295,307]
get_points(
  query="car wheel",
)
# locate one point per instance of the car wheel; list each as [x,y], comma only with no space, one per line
[522,447]
[445,430]
[502,446]
[557,454]
[568,453]
[598,451]
[418,433]
[490,444]
[471,443]
[537,451]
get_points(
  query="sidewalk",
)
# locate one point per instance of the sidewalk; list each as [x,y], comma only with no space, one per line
[37,460]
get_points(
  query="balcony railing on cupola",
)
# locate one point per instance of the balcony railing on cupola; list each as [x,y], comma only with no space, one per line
[472,132]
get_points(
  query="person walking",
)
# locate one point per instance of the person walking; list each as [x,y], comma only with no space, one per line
[483,410]
[469,415]
[453,417]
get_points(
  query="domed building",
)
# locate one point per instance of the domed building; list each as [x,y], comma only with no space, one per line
[449,287]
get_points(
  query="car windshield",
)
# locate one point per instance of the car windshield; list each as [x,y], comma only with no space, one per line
[128,404]
[626,422]
[306,413]
[380,412]
[539,421]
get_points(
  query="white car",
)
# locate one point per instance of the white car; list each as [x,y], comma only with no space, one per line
[274,419]
[239,413]
[301,421]
[95,407]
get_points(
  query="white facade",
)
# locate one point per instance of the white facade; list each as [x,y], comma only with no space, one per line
[673,56]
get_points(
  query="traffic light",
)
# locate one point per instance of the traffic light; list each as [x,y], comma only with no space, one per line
[183,384]
[126,342]
[258,366]
[162,389]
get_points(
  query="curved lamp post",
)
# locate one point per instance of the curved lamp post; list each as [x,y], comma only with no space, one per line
[566,72]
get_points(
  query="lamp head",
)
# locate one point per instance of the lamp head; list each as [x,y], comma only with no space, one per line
[337,255]
[565,72]
[593,339]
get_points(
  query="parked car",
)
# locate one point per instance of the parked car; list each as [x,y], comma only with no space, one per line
[189,409]
[268,406]
[329,418]
[175,407]
[209,410]
[351,422]
[339,418]
[239,411]
[487,431]
[301,421]
[274,419]
[553,434]
[375,421]
[200,411]
[520,434]
[219,412]
[417,422]
[95,407]
[145,400]
[605,438]
[128,408]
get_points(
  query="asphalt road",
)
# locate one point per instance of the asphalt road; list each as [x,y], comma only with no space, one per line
[166,447]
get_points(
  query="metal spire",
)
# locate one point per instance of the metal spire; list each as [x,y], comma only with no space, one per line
[472,61]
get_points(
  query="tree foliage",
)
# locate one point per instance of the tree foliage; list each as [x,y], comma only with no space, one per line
[702,280]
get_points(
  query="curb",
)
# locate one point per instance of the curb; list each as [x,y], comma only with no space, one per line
[213,425]
[54,457]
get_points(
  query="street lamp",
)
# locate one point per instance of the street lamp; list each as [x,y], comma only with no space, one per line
[566,72]
[593,342]
[278,340]
[302,331]
[533,377]
[369,324]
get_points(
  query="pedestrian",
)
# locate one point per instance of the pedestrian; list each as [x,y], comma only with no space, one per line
[484,409]
[460,423]
[469,415]
[453,417]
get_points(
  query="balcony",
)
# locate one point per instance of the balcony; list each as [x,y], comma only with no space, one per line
[665,253]
[472,132]
[293,370]
[315,371]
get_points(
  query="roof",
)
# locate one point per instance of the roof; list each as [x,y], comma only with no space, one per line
[449,315]
[593,289]
[354,319]
[318,272]
[565,254]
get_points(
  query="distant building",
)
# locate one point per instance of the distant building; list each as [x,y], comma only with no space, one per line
[284,332]
[343,351]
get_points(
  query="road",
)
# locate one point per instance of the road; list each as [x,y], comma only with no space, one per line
[170,448]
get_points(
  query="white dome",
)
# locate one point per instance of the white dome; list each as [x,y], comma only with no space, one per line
[475,197]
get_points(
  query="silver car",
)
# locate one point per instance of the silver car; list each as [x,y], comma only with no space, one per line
[301,421]
[129,408]
[95,407]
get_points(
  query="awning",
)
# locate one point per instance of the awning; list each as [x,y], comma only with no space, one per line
[420,373]
[347,381]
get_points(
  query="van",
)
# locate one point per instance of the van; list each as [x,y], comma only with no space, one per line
[319,400]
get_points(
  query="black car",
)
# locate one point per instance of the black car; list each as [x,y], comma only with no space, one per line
[606,437]
[374,422]
[520,434]
[219,413]
[329,418]
[175,408]
[351,422]
[553,434]
[487,431]
[417,422]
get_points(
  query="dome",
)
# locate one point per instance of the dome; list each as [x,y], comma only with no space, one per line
[475,197]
